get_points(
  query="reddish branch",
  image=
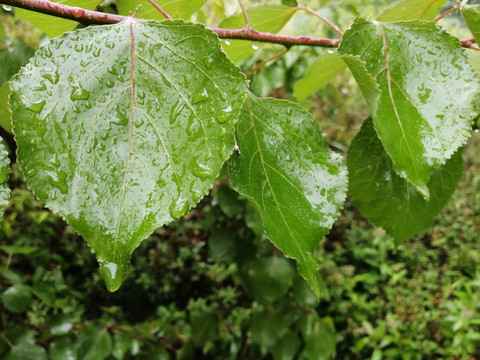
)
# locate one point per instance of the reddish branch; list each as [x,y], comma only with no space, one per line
[88,17]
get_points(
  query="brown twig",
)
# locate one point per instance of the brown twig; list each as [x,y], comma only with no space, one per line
[262,64]
[245,15]
[159,8]
[446,13]
[324,19]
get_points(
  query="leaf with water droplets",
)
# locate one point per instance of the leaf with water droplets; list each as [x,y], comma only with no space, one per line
[412,10]
[4,174]
[387,199]
[426,92]
[287,171]
[177,9]
[471,14]
[135,130]
[55,26]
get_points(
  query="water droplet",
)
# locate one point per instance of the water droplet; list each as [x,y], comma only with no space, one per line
[176,110]
[141,94]
[330,51]
[57,179]
[224,114]
[96,52]
[110,83]
[35,106]
[179,207]
[7,8]
[47,52]
[199,97]
[79,93]
[227,42]
[202,171]
[78,47]
[53,76]
[255,46]
[208,62]
[112,70]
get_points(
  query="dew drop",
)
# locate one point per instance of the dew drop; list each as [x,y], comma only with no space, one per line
[199,97]
[47,52]
[202,171]
[141,94]
[110,83]
[79,93]
[255,46]
[53,77]
[208,62]
[35,106]
[178,207]
[330,51]
[57,179]
[96,52]
[227,42]
[112,70]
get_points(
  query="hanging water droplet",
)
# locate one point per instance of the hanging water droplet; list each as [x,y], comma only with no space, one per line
[112,274]
[35,106]
[178,207]
[7,8]
[254,46]
[199,97]
[79,93]
[330,51]
[227,42]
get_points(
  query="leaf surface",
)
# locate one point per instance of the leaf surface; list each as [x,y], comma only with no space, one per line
[471,14]
[412,10]
[177,9]
[387,199]
[4,174]
[264,18]
[322,70]
[55,26]
[287,171]
[143,123]
[426,92]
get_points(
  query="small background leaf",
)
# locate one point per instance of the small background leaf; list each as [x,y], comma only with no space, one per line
[17,298]
[177,9]
[412,10]
[55,26]
[137,144]
[427,92]
[288,172]
[322,70]
[387,199]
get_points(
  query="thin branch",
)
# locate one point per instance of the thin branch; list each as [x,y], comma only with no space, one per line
[447,13]
[159,8]
[324,19]
[245,14]
[262,64]
[469,44]
[88,17]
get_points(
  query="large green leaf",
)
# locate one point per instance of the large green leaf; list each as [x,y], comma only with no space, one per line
[142,123]
[55,26]
[412,10]
[426,91]
[471,14]
[265,18]
[322,70]
[4,174]
[177,9]
[288,172]
[387,199]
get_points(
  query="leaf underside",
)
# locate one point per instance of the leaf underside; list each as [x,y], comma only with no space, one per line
[426,92]
[412,10]
[387,199]
[143,122]
[287,171]
[4,174]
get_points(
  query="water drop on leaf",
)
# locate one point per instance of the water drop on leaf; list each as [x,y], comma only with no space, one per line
[79,93]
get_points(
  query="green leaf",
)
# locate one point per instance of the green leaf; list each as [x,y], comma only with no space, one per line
[121,345]
[94,343]
[412,10]
[4,174]
[320,341]
[5,113]
[286,347]
[17,298]
[12,58]
[387,199]
[287,171]
[426,94]
[51,25]
[268,279]
[143,124]
[27,351]
[62,349]
[264,18]
[222,245]
[61,324]
[268,327]
[204,326]
[471,14]
[289,2]
[177,9]
[322,70]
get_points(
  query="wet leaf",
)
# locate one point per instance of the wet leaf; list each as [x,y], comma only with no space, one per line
[62,349]
[52,25]
[26,351]
[387,199]
[426,93]
[94,343]
[322,70]
[4,175]
[471,14]
[264,18]
[412,10]
[287,171]
[143,123]
[177,9]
